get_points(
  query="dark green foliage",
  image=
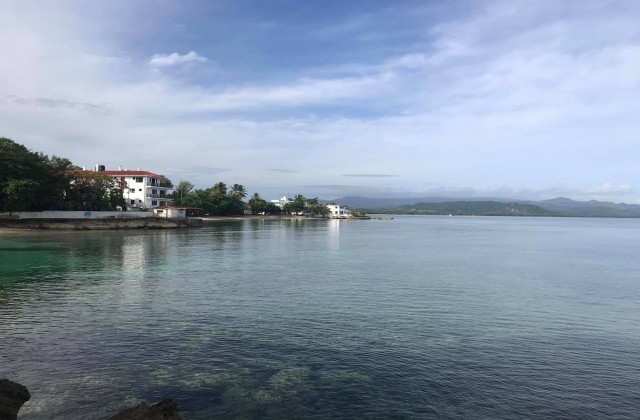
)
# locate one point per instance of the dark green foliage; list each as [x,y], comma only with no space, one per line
[260,206]
[215,201]
[30,180]
[94,191]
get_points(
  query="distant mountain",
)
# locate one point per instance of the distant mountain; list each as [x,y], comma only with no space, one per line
[376,203]
[469,208]
[560,206]
[592,208]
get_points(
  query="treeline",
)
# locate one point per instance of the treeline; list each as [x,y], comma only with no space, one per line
[468,208]
[220,200]
[33,181]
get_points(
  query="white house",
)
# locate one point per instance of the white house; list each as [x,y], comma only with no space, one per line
[172,212]
[142,189]
[338,212]
[282,201]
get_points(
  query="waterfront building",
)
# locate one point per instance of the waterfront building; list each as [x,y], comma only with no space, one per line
[282,201]
[141,189]
[338,212]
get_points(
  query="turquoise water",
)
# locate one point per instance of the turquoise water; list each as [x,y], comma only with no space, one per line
[416,317]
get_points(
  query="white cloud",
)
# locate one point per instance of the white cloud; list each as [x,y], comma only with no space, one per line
[164,60]
[608,189]
[537,108]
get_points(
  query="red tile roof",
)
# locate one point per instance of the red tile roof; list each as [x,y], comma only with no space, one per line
[124,173]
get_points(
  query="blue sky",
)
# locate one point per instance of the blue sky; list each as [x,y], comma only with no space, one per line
[415,98]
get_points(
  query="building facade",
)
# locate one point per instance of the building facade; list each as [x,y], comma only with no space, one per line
[282,201]
[141,189]
[338,212]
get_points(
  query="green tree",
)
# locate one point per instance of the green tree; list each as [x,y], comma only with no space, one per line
[298,205]
[272,208]
[21,194]
[238,191]
[95,191]
[257,204]
[180,192]
[319,209]
[48,178]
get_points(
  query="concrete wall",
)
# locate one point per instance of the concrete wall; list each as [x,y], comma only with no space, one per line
[76,214]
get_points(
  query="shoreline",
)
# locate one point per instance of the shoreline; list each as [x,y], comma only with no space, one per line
[285,217]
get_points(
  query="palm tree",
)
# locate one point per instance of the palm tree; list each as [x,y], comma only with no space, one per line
[239,191]
[219,189]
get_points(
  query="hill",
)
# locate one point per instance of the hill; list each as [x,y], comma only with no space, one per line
[560,206]
[469,208]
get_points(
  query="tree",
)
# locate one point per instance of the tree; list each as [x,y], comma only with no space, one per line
[238,191]
[219,189]
[257,204]
[95,191]
[21,194]
[181,191]
[319,209]
[272,208]
[48,179]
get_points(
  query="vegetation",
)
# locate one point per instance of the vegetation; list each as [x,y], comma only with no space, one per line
[301,205]
[259,206]
[216,201]
[31,181]
[94,191]
[469,208]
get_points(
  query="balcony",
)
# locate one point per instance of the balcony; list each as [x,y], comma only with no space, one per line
[158,196]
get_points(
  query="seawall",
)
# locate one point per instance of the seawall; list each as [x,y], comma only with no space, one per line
[100,224]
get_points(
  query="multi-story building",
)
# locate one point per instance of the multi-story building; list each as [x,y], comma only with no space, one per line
[282,201]
[338,212]
[141,189]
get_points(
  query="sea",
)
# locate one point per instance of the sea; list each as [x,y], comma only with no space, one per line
[418,317]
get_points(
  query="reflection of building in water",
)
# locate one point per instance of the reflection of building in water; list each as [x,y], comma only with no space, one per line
[333,234]
[141,254]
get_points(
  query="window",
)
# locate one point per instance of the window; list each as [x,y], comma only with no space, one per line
[154,191]
[154,203]
[140,189]
[133,201]
[138,179]
[139,201]
[132,190]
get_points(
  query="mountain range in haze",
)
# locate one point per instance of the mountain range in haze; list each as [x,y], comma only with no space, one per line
[560,206]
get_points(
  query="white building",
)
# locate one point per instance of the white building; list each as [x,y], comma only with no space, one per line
[141,189]
[282,201]
[172,212]
[338,212]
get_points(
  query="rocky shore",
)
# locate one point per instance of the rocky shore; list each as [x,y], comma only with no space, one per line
[100,224]
[13,395]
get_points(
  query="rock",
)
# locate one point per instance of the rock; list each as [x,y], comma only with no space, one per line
[165,410]
[12,396]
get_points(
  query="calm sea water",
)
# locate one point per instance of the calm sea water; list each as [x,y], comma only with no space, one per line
[416,317]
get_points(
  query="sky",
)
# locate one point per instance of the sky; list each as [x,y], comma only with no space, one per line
[510,99]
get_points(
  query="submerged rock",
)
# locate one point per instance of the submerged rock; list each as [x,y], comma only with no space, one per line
[164,410]
[12,396]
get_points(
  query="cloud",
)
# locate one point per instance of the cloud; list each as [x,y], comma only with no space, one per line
[286,171]
[473,97]
[609,189]
[59,104]
[371,175]
[164,60]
